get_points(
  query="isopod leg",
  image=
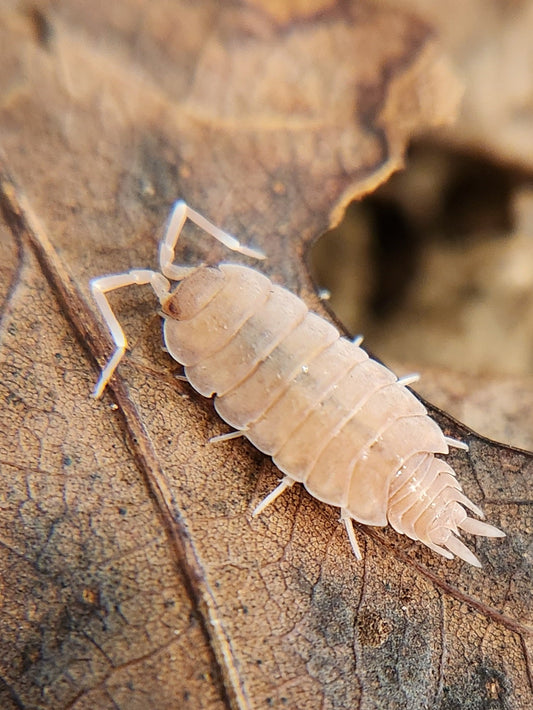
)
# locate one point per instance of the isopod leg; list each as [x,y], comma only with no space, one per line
[348,524]
[180,213]
[456,444]
[271,497]
[409,379]
[99,288]
[226,437]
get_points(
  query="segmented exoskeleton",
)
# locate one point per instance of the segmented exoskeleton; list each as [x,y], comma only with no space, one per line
[331,417]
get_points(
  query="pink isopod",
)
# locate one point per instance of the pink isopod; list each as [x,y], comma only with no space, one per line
[331,417]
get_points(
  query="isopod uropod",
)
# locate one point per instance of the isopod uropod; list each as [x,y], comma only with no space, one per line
[331,417]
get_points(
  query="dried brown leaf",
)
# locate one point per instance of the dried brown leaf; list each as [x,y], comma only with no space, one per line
[132,573]
[489,42]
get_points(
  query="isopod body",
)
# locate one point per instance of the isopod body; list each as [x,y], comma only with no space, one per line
[331,417]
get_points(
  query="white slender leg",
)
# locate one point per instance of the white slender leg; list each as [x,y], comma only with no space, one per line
[181,212]
[358,340]
[409,379]
[271,497]
[456,443]
[348,524]
[226,437]
[99,288]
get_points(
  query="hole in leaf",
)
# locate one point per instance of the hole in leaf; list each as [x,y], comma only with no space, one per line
[436,266]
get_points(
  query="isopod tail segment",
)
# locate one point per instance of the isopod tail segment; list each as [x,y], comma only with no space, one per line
[443,538]
[160,281]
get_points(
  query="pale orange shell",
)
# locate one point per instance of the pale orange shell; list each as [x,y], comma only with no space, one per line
[331,417]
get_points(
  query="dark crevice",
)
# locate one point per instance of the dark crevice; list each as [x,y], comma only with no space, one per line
[442,195]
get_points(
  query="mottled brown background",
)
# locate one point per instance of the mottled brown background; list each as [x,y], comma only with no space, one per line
[132,573]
